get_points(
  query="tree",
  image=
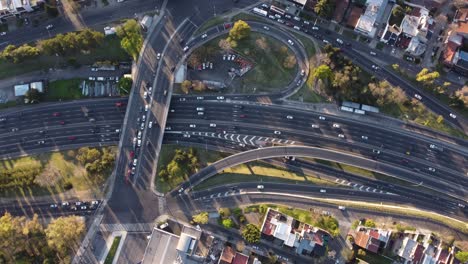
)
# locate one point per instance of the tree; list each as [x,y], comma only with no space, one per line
[322,72]
[199,86]
[369,223]
[64,233]
[239,30]
[225,45]
[462,95]
[32,95]
[427,77]
[130,36]
[11,240]
[398,11]
[125,84]
[201,218]
[224,212]
[251,233]
[290,61]
[462,256]
[228,223]
[328,223]
[186,85]
[174,169]
[361,252]
[325,8]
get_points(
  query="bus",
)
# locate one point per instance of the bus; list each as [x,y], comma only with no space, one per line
[277,10]
[259,11]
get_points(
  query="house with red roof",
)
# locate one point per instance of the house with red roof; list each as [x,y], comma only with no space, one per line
[455,54]
[372,239]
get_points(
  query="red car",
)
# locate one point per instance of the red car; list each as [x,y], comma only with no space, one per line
[132,154]
[62,122]
[56,114]
[119,104]
[242,116]
[71,137]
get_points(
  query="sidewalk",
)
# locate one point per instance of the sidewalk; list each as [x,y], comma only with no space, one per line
[107,247]
[54,198]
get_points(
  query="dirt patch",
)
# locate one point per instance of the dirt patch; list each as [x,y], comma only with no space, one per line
[253,218]
[49,177]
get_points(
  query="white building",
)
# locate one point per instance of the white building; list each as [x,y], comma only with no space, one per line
[368,22]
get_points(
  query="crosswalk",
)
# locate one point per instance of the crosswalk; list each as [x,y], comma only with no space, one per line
[360,187]
[255,141]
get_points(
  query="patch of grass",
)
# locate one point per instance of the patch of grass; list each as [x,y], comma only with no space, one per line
[247,17]
[57,170]
[371,257]
[113,250]
[8,104]
[260,172]
[166,154]
[380,45]
[210,23]
[308,45]
[64,90]
[109,50]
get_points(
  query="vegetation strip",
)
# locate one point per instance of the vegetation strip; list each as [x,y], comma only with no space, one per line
[113,250]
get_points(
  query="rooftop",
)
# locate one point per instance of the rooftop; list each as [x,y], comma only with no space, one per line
[240,258]
[354,16]
[369,18]
[161,248]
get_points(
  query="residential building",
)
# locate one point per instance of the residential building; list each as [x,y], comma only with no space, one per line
[372,239]
[287,231]
[368,22]
[340,9]
[455,55]
[299,3]
[21,89]
[230,256]
[12,7]
[354,16]
[165,247]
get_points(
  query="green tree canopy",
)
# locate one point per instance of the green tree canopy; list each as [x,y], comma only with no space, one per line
[125,84]
[325,8]
[322,72]
[251,233]
[462,256]
[201,218]
[228,223]
[64,233]
[427,77]
[370,223]
[131,39]
[186,85]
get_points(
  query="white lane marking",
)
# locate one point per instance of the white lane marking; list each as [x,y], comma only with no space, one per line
[245,142]
[238,138]
[251,140]
[232,137]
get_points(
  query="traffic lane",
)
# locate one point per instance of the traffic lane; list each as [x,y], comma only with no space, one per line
[308,139]
[390,140]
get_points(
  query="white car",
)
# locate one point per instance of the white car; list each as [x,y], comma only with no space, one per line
[200,113]
[186,48]
[145,95]
[204,36]
[49,27]
[158,56]
[53,206]
[326,41]
[289,117]
[212,125]
[150,89]
[95,202]
[139,143]
[266,28]
[297,18]
[139,135]
[297,28]
[224,57]
[186,135]
[321,117]
[431,169]
[220,97]
[182,99]
[336,125]
[432,146]
[211,65]
[172,110]
[280,21]
[135,161]
[143,117]
[192,125]
[364,137]
[83,207]
[203,65]
[339,41]
[3,33]
[290,42]
[260,187]
[142,126]
[315,126]
[168,128]
[302,72]
[233,57]
[340,135]
[150,124]
[323,190]
[373,53]
[315,28]
[375,67]
[200,97]
[306,22]
[200,108]
[417,96]
[277,132]
[453,116]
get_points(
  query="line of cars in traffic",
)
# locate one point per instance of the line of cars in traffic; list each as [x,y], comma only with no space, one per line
[76,206]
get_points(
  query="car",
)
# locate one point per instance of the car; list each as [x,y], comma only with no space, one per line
[181,190]
[323,190]
[53,206]
[306,22]
[78,203]
[290,117]
[168,128]
[432,146]
[341,136]
[186,48]
[375,67]
[266,28]
[56,114]
[364,137]
[409,58]
[132,154]
[373,53]
[71,137]
[336,125]
[83,207]
[340,41]
[287,16]
[376,151]
[186,135]
[158,56]
[265,6]
[14,129]
[260,187]
[211,65]
[204,36]
[224,57]
[315,28]
[146,109]
[220,97]
[315,126]
[182,99]
[278,16]
[342,208]
[297,18]
[200,113]
[200,97]
[192,125]
[290,42]
[325,41]
[143,118]
[271,17]
[321,117]
[242,116]
[233,57]
[203,66]
[200,108]
[150,124]
[431,169]
[135,161]
[162,226]
[95,202]
[139,135]
[3,33]
[302,72]
[145,95]
[276,132]
[289,24]
[92,78]
[297,28]
[142,126]
[417,96]
[49,27]
[62,122]
[212,125]
[280,21]
[453,115]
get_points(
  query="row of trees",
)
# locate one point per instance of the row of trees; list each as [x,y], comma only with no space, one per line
[25,240]
[325,8]
[95,161]
[195,85]
[182,165]
[70,43]
[61,44]
[18,177]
